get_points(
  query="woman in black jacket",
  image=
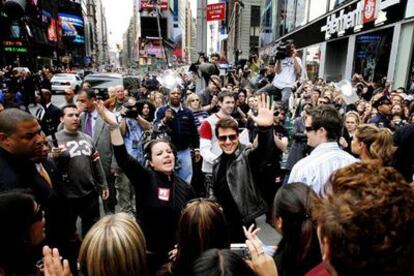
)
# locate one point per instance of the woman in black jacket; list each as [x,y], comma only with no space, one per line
[160,194]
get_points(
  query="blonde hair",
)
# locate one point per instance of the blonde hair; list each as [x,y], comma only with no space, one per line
[379,142]
[115,245]
[191,97]
[355,115]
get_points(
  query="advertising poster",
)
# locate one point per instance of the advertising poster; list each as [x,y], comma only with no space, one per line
[72,28]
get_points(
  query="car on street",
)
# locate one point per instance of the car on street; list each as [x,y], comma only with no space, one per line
[61,82]
[100,82]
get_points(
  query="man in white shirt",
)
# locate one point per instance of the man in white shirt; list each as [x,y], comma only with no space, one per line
[287,70]
[323,129]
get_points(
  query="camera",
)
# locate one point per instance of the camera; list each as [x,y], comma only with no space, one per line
[240,249]
[282,50]
[131,110]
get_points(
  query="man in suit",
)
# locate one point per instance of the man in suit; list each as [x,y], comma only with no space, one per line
[48,114]
[92,124]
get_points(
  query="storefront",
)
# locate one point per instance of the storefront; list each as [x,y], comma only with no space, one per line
[360,36]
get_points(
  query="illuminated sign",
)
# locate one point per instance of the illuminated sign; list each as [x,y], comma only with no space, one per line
[15,49]
[148,5]
[72,28]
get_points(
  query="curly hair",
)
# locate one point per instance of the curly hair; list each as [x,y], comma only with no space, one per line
[368,219]
[378,141]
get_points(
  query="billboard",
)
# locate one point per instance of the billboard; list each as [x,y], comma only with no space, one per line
[72,28]
[148,5]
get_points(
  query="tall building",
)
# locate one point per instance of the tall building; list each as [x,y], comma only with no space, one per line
[243,29]
[102,34]
[337,38]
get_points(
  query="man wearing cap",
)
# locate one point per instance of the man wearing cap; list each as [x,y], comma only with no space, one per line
[383,105]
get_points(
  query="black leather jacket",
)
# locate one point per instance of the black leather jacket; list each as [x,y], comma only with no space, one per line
[243,174]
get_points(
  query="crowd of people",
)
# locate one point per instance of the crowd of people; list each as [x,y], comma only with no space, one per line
[184,171]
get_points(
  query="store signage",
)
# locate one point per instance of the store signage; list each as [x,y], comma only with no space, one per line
[15,49]
[365,11]
[12,43]
[216,12]
[149,4]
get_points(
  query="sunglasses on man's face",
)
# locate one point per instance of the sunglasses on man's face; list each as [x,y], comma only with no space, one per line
[223,138]
[309,128]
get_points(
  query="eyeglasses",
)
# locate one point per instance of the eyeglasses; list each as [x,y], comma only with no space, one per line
[309,128]
[195,100]
[223,138]
[38,213]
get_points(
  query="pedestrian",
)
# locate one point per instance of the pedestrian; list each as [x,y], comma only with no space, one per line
[79,161]
[182,130]
[235,173]
[323,129]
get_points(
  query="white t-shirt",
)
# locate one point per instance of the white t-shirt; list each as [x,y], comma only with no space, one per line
[287,76]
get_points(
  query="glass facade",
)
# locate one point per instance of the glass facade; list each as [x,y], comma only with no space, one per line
[313,61]
[372,54]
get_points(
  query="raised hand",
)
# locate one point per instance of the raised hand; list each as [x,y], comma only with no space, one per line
[105,114]
[262,264]
[264,117]
[52,263]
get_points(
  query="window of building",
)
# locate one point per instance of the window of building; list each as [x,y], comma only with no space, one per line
[301,12]
[313,61]
[317,8]
[254,27]
[409,11]
[372,54]
[266,25]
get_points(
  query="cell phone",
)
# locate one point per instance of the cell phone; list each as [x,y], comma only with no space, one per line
[240,249]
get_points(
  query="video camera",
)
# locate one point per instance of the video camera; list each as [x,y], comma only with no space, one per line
[282,50]
[131,110]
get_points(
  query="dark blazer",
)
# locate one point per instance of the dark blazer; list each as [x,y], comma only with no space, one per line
[20,173]
[51,119]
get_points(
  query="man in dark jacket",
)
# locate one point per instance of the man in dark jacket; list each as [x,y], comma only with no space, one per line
[235,173]
[404,156]
[51,118]
[20,140]
[182,130]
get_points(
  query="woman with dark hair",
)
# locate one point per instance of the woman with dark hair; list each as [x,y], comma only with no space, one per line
[215,262]
[201,227]
[298,251]
[160,194]
[21,230]
[146,110]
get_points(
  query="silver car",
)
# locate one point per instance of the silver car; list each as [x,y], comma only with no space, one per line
[61,82]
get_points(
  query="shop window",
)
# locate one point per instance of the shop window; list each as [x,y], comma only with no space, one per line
[317,8]
[410,84]
[409,11]
[281,19]
[301,12]
[372,54]
[313,61]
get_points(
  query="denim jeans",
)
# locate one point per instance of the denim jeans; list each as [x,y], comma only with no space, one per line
[185,170]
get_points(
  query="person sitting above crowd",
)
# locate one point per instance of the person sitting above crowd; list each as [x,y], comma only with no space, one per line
[161,195]
[366,222]
[373,143]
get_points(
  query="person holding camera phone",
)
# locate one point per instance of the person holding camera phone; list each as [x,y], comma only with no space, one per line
[288,69]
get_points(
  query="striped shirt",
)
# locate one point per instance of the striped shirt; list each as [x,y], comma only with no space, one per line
[315,169]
